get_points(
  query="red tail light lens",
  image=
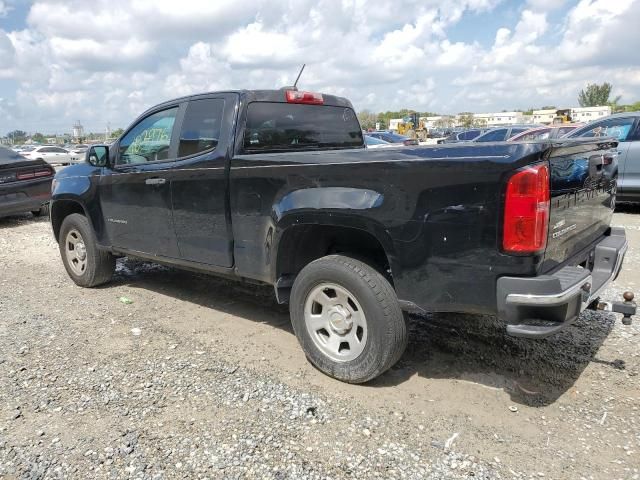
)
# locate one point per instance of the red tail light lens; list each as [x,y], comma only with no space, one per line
[310,98]
[526,210]
[44,172]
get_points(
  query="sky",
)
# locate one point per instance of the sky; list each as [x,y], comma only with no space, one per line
[103,62]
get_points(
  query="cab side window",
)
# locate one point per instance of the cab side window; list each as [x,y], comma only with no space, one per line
[201,126]
[619,128]
[149,140]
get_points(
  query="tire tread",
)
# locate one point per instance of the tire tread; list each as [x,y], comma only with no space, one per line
[395,333]
[101,269]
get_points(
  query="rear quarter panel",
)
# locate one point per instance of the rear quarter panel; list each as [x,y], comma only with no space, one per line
[435,210]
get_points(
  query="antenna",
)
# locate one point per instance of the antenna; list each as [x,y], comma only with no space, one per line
[298,77]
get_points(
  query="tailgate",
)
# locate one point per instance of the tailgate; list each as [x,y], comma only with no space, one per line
[583,184]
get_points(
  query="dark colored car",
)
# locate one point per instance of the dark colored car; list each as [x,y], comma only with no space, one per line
[463,136]
[25,185]
[544,133]
[277,187]
[394,138]
[501,134]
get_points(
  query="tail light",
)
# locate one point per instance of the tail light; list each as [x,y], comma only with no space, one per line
[310,98]
[526,210]
[38,173]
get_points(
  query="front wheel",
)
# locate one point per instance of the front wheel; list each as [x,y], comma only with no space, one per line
[347,318]
[85,263]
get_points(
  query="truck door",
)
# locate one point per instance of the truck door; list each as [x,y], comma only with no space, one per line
[135,193]
[199,185]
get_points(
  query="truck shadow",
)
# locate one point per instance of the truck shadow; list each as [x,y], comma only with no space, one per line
[476,349]
[443,346]
[14,221]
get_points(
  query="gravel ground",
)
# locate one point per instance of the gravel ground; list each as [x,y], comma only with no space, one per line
[168,374]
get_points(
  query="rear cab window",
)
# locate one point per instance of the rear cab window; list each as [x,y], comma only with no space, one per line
[285,127]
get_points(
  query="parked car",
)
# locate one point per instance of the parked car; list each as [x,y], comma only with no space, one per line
[543,133]
[50,154]
[440,133]
[24,148]
[25,185]
[78,153]
[501,134]
[394,138]
[463,136]
[277,187]
[373,142]
[625,127]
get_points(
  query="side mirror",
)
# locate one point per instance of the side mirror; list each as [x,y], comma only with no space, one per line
[98,156]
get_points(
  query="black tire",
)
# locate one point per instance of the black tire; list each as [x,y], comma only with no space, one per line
[386,328]
[44,211]
[100,264]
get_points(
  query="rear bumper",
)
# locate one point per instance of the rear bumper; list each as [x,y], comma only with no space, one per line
[536,307]
[22,197]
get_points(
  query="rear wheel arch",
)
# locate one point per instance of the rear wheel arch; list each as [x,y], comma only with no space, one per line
[300,244]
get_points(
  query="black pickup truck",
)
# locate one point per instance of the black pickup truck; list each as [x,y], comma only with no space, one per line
[277,187]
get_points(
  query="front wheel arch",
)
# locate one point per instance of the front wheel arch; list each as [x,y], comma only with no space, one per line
[61,209]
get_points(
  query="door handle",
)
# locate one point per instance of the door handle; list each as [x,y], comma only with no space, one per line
[155,181]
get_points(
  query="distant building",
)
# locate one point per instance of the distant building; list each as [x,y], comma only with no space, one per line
[545,116]
[438,121]
[499,118]
[589,114]
[578,114]
[78,130]
[394,122]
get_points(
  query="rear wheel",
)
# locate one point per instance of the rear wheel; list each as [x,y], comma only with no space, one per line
[85,263]
[347,318]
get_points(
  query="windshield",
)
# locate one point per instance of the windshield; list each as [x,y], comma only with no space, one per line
[9,156]
[369,140]
[393,137]
[493,136]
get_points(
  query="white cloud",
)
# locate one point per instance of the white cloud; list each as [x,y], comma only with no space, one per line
[546,5]
[118,57]
[254,47]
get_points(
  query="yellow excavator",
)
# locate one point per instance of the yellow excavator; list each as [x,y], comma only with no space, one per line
[408,126]
[562,116]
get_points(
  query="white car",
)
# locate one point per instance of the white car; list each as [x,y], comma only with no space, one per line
[78,153]
[50,154]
